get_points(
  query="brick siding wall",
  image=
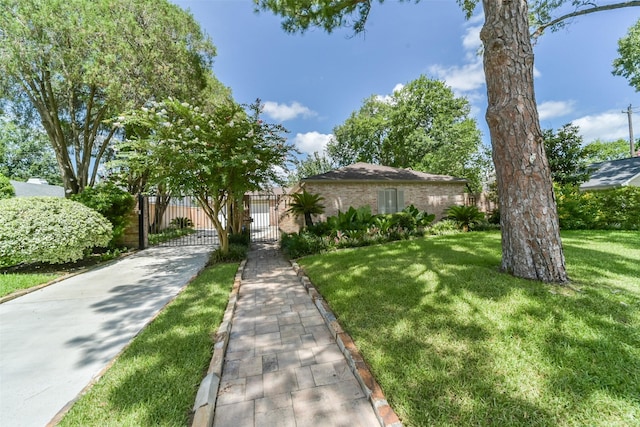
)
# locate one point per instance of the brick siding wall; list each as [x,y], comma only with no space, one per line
[434,198]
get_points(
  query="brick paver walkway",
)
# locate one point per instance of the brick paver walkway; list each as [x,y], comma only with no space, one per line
[282,366]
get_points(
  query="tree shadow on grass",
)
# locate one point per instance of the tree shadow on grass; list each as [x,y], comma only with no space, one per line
[154,381]
[455,342]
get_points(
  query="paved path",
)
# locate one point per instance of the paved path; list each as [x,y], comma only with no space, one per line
[55,340]
[282,366]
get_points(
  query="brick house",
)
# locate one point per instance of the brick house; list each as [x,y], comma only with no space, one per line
[384,189]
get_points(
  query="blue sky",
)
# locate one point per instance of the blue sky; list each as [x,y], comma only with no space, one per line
[311,83]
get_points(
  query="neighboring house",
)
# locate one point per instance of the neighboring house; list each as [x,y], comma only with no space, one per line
[614,174]
[36,187]
[384,189]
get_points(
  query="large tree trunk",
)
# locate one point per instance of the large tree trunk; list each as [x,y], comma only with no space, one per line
[531,246]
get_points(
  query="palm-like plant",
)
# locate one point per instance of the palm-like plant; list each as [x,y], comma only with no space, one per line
[306,204]
[465,215]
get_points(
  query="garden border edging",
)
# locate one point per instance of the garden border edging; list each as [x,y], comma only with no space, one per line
[385,414]
[204,407]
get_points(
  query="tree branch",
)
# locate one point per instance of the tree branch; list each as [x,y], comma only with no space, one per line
[538,32]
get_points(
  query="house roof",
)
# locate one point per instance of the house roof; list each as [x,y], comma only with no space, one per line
[612,174]
[26,189]
[377,173]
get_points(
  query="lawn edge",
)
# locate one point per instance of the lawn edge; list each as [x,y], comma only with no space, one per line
[385,414]
[204,407]
[23,292]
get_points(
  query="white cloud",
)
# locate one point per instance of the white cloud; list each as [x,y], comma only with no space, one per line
[552,109]
[469,76]
[397,88]
[465,78]
[283,112]
[471,40]
[388,98]
[607,126]
[312,141]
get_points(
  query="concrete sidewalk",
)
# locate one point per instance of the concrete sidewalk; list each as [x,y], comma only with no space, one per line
[54,341]
[283,366]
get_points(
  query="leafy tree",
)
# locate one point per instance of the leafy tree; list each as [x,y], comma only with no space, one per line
[628,64]
[26,153]
[531,245]
[306,204]
[423,126]
[603,151]
[567,159]
[215,157]
[78,63]
[313,164]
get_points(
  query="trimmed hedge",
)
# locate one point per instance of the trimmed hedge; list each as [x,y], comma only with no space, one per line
[49,230]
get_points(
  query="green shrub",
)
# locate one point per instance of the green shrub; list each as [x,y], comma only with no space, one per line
[605,209]
[301,244]
[6,189]
[49,230]
[404,221]
[351,220]
[465,216]
[422,218]
[494,217]
[181,222]
[113,203]
[242,238]
[237,252]
[446,226]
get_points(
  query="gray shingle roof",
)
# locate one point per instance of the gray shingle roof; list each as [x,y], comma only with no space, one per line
[612,174]
[25,189]
[376,173]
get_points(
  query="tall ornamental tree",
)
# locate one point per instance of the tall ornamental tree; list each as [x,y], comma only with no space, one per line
[213,156]
[79,62]
[531,245]
[422,126]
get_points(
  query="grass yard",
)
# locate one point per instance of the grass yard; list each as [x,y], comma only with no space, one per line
[11,282]
[155,380]
[453,341]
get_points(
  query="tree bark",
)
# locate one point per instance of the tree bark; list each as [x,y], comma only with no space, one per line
[531,245]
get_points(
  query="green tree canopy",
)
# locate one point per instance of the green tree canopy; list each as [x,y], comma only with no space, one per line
[313,164]
[78,63]
[628,64]
[214,156]
[603,151]
[567,158]
[26,153]
[423,126]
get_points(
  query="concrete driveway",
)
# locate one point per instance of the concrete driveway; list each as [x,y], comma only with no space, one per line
[54,341]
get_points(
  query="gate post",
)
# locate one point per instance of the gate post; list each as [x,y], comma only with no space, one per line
[143,222]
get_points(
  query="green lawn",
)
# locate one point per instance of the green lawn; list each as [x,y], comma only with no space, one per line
[11,282]
[155,380]
[453,341]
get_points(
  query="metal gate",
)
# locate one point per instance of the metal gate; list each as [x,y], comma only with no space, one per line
[180,221]
[264,214]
